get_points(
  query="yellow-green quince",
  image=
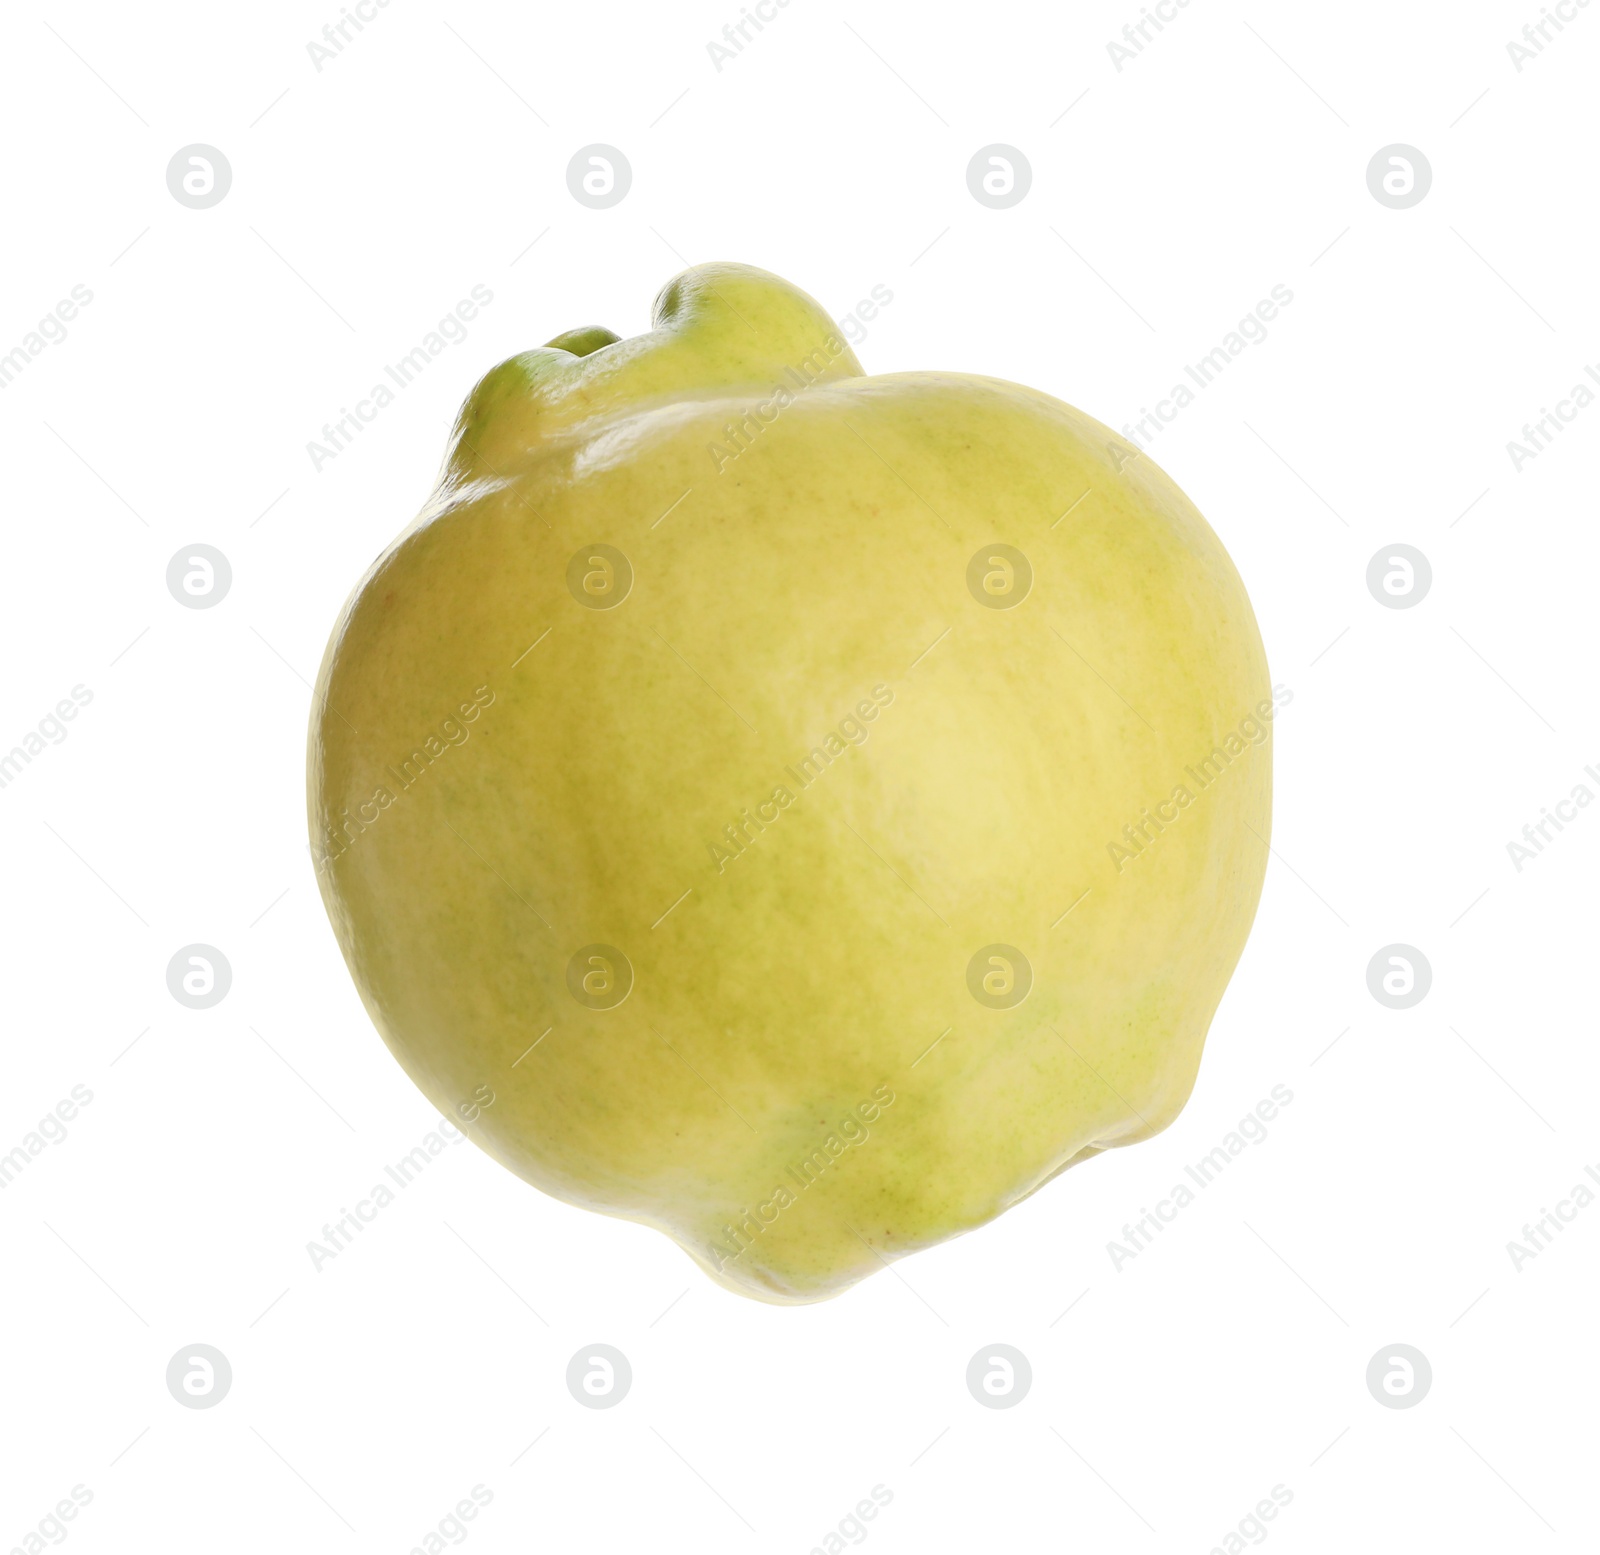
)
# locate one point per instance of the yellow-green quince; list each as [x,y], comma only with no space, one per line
[800,811]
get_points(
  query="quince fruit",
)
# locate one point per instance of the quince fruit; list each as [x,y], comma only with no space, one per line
[800,811]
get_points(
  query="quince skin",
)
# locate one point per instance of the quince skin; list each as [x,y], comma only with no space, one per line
[800,811]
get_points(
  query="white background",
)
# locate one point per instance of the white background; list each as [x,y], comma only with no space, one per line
[1167,199]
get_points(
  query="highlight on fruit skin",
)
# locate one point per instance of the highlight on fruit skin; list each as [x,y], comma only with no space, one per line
[801,811]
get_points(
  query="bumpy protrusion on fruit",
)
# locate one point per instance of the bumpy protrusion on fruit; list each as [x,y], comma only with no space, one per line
[585,340]
[718,327]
